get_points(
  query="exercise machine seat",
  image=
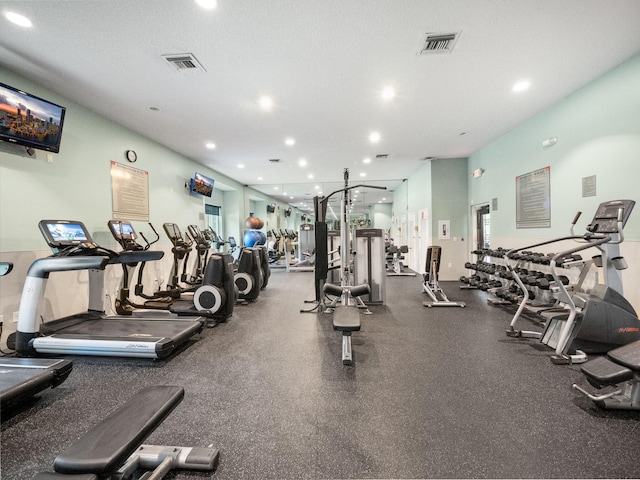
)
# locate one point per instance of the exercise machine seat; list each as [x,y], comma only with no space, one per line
[627,355]
[619,365]
[107,446]
[601,372]
[346,319]
[62,476]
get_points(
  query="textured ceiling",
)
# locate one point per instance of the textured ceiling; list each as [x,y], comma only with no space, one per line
[324,63]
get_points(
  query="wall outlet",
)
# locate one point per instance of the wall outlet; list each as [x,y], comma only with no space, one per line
[15,317]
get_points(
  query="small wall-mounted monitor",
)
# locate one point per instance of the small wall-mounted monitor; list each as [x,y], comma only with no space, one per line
[29,120]
[201,185]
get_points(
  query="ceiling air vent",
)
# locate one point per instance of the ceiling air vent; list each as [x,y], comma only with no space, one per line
[184,63]
[382,155]
[275,160]
[437,43]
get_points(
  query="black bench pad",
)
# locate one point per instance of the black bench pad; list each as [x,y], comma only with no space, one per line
[62,476]
[627,355]
[346,319]
[107,446]
[602,371]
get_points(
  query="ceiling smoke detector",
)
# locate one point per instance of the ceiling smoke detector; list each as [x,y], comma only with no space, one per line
[433,43]
[185,63]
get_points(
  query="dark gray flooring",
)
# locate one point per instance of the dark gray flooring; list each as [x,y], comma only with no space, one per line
[435,393]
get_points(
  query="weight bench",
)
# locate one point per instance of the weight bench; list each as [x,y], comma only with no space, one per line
[619,366]
[346,319]
[113,448]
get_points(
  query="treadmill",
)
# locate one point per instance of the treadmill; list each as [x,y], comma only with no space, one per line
[25,377]
[91,332]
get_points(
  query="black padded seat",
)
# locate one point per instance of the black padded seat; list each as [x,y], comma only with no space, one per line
[107,446]
[62,476]
[346,319]
[601,371]
[627,355]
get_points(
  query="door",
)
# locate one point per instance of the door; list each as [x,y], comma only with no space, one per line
[483,227]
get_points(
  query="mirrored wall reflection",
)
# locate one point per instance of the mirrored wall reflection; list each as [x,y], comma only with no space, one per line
[300,195]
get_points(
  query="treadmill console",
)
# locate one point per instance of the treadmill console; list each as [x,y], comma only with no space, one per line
[606,217]
[68,235]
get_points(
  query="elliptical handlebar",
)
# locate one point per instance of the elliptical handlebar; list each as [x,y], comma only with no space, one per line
[148,243]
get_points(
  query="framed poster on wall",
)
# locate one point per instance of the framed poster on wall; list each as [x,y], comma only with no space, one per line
[129,193]
[533,199]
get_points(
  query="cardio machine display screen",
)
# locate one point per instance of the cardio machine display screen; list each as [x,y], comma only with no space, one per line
[122,228]
[64,233]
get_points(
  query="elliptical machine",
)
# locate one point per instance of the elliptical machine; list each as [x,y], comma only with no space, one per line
[602,319]
[126,236]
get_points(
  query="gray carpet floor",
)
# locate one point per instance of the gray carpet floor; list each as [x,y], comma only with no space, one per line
[434,393]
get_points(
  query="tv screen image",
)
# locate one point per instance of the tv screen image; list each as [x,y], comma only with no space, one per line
[202,185]
[29,120]
[67,232]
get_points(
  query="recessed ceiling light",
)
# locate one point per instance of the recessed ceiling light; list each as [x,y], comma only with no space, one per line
[276,188]
[18,19]
[366,160]
[317,187]
[284,193]
[240,165]
[521,86]
[260,178]
[310,175]
[210,145]
[357,191]
[374,137]
[388,93]
[383,198]
[291,197]
[265,102]
[302,162]
[290,141]
[363,174]
[208,4]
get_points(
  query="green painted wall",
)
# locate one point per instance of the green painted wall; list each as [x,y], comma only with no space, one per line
[598,132]
[77,183]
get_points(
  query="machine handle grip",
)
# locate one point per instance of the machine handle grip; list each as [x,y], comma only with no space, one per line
[575,219]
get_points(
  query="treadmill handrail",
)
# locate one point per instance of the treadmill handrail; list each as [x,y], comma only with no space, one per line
[43,266]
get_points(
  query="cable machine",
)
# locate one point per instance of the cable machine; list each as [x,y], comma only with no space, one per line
[346,302]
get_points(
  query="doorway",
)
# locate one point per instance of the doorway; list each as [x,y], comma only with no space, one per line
[483,227]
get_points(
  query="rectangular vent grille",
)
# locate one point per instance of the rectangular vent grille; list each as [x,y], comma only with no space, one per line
[184,63]
[275,160]
[382,155]
[437,43]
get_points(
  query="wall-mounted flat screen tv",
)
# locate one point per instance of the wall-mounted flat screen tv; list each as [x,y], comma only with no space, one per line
[202,185]
[29,120]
